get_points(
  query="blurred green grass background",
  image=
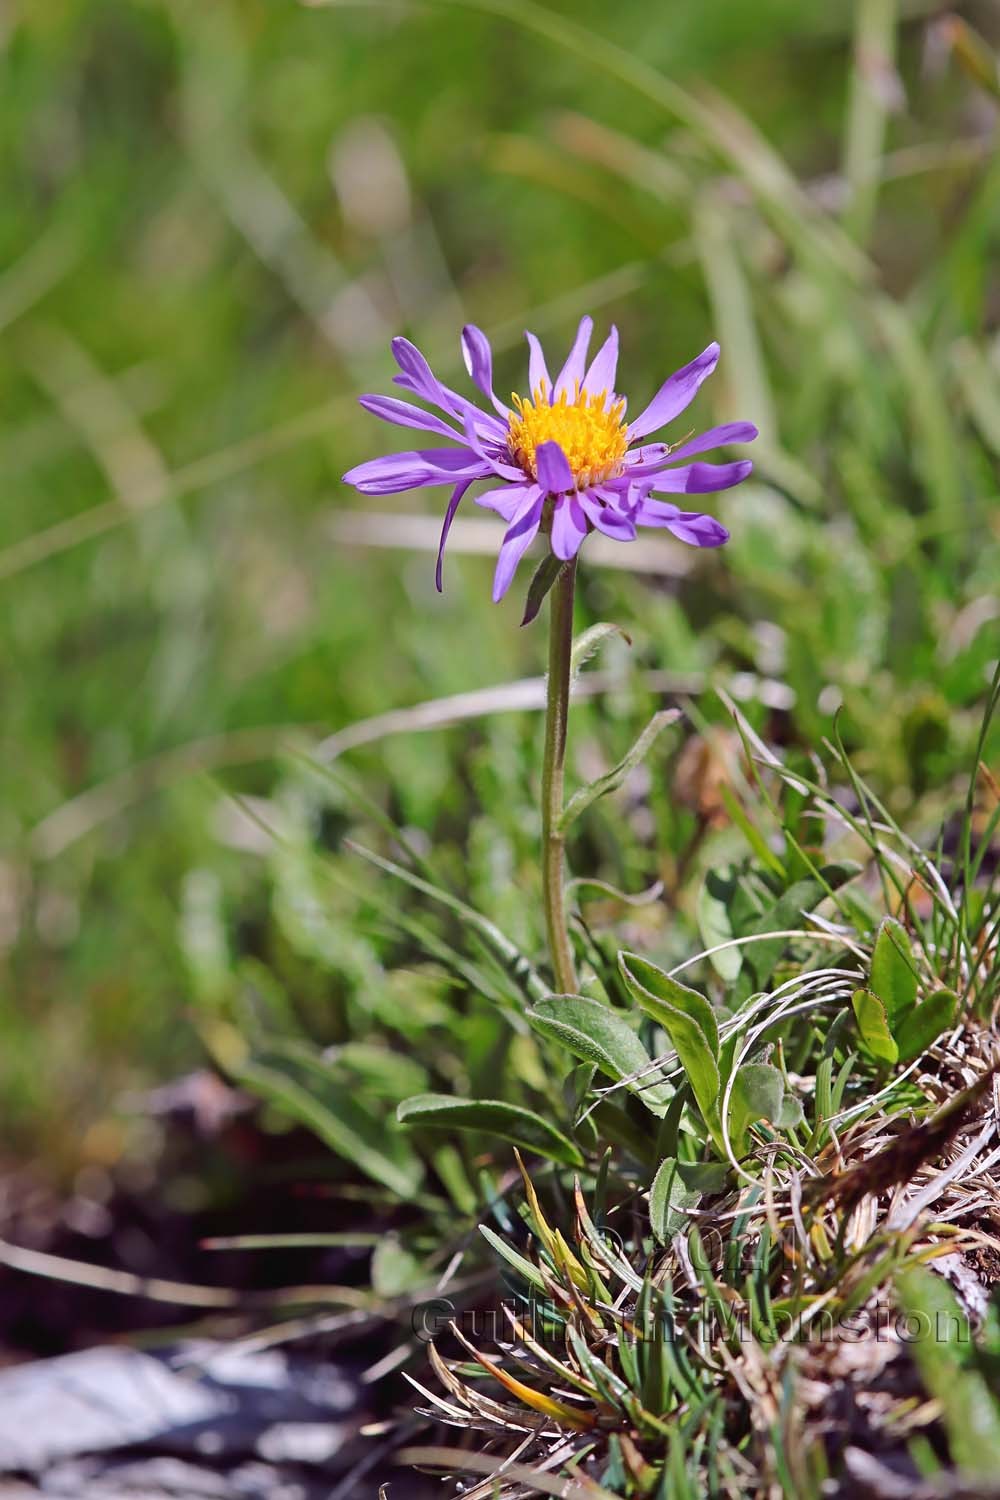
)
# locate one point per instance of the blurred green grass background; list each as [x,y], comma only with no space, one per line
[216,216]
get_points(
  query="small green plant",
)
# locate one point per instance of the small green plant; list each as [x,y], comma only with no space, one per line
[734,1181]
[769,1074]
[815,1142]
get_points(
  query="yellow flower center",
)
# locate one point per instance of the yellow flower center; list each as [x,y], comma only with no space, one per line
[593,440]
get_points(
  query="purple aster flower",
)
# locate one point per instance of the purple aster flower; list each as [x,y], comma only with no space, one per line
[564,459]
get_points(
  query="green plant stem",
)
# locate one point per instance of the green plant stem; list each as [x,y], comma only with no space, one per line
[556,717]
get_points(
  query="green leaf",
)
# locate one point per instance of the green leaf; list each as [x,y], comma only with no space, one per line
[873,1026]
[792,1114]
[894,972]
[545,575]
[511,1122]
[450,1168]
[669,1200]
[656,991]
[944,1352]
[509,954]
[589,643]
[523,1267]
[344,1124]
[925,1023]
[875,27]
[611,1388]
[393,1269]
[714,923]
[760,959]
[612,780]
[677,1187]
[597,1034]
[758,843]
[758,1094]
[688,1020]
[617,1126]
[974,53]
[717,237]
[382,1070]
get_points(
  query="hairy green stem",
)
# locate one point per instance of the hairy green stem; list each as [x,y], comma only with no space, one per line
[556,716]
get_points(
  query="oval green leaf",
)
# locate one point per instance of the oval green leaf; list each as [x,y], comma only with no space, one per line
[925,1024]
[678,1187]
[758,1094]
[873,1026]
[597,1034]
[511,1122]
[894,972]
[689,1022]
[714,922]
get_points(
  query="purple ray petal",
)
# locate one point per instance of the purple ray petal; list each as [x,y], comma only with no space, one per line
[649,453]
[449,516]
[701,479]
[404,414]
[414,470]
[479,362]
[600,378]
[716,437]
[675,394]
[569,527]
[624,493]
[420,380]
[571,374]
[484,422]
[492,454]
[538,370]
[518,539]
[416,370]
[655,512]
[553,470]
[507,500]
[635,493]
[698,530]
[688,525]
[607,518]
[648,459]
